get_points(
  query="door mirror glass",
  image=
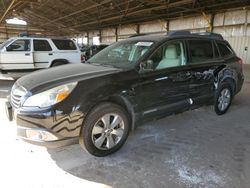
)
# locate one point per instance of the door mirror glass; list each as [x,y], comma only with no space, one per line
[146,66]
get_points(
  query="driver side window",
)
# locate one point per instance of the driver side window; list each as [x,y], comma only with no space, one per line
[168,55]
[19,45]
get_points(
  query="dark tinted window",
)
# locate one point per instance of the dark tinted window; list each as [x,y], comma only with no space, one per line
[200,50]
[64,44]
[216,52]
[225,50]
[42,45]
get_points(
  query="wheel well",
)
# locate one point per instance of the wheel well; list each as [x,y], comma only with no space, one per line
[63,61]
[121,102]
[232,83]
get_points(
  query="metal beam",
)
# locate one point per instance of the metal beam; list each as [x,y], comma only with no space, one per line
[182,2]
[7,10]
[77,12]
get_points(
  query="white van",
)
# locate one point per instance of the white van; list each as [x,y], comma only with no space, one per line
[27,53]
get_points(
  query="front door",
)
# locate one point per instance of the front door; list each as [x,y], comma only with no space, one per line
[17,55]
[164,89]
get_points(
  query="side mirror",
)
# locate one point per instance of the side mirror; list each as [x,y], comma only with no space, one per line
[146,66]
[8,48]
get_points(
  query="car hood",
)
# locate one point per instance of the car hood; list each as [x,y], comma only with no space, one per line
[52,77]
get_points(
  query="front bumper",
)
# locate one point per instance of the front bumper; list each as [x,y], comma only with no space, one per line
[50,128]
[39,137]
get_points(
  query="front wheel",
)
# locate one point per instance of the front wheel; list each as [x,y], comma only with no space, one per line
[105,130]
[224,98]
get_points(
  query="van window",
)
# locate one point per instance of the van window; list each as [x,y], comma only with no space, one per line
[41,45]
[64,44]
[225,49]
[200,50]
[19,45]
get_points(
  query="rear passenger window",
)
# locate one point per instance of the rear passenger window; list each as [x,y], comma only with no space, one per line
[225,50]
[64,44]
[42,45]
[200,50]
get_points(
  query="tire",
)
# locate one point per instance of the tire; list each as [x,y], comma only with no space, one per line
[105,130]
[58,63]
[223,98]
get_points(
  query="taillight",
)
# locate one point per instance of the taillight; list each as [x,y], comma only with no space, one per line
[240,61]
[83,58]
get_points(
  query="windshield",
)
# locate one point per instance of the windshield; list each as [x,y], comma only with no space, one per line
[122,54]
[6,43]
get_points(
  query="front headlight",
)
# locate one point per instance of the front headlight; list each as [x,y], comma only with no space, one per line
[50,97]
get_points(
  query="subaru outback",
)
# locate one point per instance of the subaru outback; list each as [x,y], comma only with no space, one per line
[128,83]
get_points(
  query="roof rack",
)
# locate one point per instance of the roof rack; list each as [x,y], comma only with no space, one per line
[210,34]
[188,33]
[137,35]
[178,33]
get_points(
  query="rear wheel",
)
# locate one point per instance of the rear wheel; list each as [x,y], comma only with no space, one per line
[105,130]
[224,98]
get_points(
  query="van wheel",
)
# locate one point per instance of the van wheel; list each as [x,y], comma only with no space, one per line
[58,63]
[105,130]
[224,98]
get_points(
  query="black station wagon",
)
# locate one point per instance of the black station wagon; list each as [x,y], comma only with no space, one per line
[130,82]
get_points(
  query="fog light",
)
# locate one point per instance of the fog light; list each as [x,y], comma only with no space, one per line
[40,135]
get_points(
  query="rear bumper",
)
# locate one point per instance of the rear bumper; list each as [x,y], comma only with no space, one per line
[45,128]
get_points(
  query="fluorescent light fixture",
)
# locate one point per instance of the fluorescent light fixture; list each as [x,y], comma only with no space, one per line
[16,21]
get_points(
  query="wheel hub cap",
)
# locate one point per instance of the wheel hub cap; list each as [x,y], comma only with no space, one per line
[108,131]
[224,99]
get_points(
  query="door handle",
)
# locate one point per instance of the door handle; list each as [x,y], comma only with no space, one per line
[50,53]
[27,54]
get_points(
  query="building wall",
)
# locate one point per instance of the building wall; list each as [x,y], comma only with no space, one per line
[234,25]
[241,45]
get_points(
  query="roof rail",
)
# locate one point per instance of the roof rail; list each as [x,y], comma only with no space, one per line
[188,33]
[210,34]
[137,35]
[178,33]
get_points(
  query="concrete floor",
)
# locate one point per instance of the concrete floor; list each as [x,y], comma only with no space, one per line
[193,149]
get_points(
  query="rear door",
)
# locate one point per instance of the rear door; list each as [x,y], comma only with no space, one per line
[204,59]
[17,55]
[43,54]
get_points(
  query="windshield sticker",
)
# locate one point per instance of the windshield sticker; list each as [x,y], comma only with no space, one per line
[144,43]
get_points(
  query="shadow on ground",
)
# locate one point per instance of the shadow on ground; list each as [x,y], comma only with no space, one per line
[5,87]
[193,149]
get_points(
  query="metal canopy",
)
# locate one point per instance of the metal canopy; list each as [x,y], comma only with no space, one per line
[75,16]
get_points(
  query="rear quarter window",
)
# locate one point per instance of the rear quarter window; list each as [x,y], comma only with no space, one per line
[225,49]
[64,44]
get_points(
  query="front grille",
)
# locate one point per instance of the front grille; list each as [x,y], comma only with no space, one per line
[17,93]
